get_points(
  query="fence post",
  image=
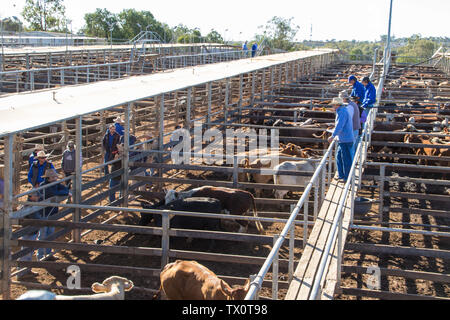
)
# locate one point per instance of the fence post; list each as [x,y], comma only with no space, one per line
[235,171]
[291,253]
[316,198]
[32,81]
[275,272]
[208,116]
[382,178]
[305,221]
[126,156]
[165,239]
[76,233]
[5,226]
[339,249]
[188,109]
[352,204]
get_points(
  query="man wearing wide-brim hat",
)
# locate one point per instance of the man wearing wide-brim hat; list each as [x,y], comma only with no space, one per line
[343,131]
[33,155]
[38,168]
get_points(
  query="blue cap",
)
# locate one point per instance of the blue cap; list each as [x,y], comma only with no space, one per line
[352,77]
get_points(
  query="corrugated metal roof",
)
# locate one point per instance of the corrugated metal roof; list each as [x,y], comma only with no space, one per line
[27,111]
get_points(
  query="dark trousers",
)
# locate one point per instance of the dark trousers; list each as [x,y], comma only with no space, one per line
[112,184]
[106,167]
[69,183]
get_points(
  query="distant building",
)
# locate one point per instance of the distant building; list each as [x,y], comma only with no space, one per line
[41,38]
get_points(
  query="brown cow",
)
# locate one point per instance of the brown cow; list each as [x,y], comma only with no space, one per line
[422,151]
[189,280]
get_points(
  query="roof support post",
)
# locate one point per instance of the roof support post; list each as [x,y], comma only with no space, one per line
[76,233]
[5,225]
[126,155]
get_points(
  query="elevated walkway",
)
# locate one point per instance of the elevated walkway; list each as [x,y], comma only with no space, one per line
[306,272]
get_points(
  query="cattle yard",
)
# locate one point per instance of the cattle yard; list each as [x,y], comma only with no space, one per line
[104,238]
[25,70]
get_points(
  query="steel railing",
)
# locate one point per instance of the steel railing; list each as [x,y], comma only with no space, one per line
[350,186]
[272,259]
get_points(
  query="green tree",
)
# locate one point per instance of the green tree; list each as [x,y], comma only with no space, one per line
[45,15]
[214,37]
[97,24]
[279,33]
[185,35]
[12,24]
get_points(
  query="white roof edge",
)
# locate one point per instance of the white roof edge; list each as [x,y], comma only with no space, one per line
[31,110]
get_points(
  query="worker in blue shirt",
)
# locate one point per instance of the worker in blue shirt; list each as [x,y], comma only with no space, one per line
[357,90]
[344,133]
[33,155]
[245,48]
[47,193]
[38,168]
[370,97]
[254,48]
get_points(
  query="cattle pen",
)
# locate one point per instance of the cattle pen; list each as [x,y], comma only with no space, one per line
[311,241]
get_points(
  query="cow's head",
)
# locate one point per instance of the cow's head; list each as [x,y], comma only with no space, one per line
[171,196]
[106,285]
[237,293]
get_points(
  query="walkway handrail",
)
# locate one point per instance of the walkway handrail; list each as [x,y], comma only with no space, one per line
[315,292]
[359,159]
[256,284]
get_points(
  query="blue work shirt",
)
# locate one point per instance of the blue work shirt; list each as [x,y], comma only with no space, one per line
[119,128]
[370,96]
[55,190]
[41,170]
[358,91]
[344,126]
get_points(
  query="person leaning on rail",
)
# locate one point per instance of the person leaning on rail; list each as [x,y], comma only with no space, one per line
[344,132]
[357,89]
[370,97]
[59,191]
[354,111]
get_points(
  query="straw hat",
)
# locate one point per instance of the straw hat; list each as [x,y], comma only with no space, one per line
[51,173]
[39,147]
[41,154]
[337,102]
[119,119]
[344,94]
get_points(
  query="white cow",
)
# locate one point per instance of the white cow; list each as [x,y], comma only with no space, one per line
[112,288]
[297,166]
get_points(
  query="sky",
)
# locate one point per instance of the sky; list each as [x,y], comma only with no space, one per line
[239,20]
